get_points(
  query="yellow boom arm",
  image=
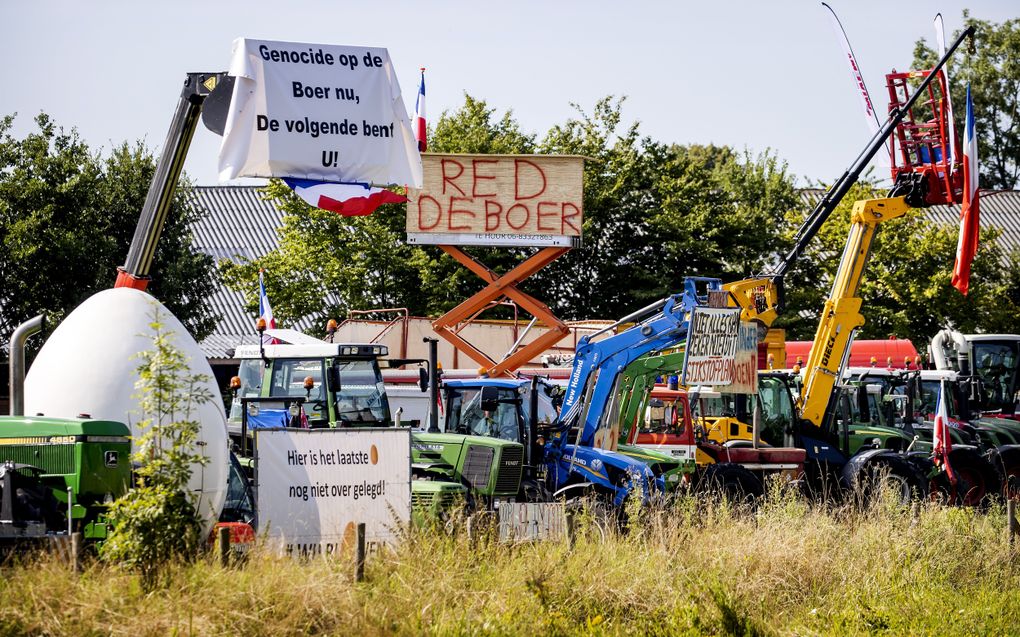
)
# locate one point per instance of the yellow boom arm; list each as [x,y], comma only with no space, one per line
[841,315]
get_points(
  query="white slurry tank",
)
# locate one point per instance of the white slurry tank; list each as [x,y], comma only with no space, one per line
[89,366]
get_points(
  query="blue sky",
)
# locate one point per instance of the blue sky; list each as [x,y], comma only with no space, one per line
[747,74]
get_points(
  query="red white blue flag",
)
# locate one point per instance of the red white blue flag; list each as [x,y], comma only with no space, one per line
[265,312]
[349,200]
[942,442]
[970,224]
[419,125]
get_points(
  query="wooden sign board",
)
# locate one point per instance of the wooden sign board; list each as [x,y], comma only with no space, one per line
[493,200]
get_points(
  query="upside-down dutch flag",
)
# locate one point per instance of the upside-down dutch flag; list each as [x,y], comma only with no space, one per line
[266,312]
[970,224]
[419,115]
[347,199]
[942,442]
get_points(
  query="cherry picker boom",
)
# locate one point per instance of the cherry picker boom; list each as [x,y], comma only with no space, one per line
[761,298]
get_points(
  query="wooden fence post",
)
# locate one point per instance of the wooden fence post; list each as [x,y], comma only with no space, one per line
[223,539]
[359,554]
[1012,526]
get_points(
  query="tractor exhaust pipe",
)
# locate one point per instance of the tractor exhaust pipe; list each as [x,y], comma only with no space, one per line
[17,365]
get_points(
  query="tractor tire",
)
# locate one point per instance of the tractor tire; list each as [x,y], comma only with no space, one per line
[1006,460]
[976,479]
[593,516]
[731,480]
[888,470]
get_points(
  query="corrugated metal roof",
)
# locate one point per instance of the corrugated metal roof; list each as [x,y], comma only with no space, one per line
[999,209]
[240,225]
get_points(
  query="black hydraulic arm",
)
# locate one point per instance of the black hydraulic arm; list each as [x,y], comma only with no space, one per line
[838,190]
[135,271]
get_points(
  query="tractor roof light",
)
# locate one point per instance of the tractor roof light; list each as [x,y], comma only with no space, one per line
[235,383]
[309,383]
[260,325]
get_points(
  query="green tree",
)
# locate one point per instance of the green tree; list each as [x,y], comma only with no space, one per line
[67,217]
[156,521]
[993,70]
[653,213]
[906,289]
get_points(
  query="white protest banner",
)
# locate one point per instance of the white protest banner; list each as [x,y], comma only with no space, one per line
[317,111]
[711,346]
[316,485]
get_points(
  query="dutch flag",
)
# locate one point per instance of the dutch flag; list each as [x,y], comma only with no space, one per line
[347,199]
[266,312]
[942,441]
[419,115]
[970,224]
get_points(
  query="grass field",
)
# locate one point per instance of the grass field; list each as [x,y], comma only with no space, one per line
[696,567]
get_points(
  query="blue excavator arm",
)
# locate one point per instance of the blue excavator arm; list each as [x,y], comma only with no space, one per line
[598,365]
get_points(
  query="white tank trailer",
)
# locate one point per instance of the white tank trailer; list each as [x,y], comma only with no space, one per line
[89,366]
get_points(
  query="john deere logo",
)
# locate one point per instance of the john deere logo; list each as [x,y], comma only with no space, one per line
[111,458]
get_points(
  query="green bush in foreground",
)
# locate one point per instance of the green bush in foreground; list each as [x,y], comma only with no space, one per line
[694,567]
[156,522]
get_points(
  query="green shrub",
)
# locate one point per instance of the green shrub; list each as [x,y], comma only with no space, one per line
[156,522]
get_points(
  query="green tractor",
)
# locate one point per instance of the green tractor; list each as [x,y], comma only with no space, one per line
[313,383]
[56,474]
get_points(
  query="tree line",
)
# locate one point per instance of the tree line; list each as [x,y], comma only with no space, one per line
[654,212]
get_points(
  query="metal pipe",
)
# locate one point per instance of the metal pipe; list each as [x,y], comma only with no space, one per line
[17,364]
[70,510]
[643,311]
[433,384]
[520,338]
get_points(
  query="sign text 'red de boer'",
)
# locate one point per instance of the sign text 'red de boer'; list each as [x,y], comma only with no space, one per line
[523,200]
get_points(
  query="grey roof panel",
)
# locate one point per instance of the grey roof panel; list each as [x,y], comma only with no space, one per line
[240,225]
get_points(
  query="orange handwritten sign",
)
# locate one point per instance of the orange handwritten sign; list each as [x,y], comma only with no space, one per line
[497,200]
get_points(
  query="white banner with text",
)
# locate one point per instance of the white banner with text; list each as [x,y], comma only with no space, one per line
[315,485]
[317,111]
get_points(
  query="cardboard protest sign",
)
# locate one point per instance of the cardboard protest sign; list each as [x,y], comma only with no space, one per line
[319,112]
[744,374]
[711,346]
[519,200]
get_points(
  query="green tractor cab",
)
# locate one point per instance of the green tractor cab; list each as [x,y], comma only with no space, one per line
[59,474]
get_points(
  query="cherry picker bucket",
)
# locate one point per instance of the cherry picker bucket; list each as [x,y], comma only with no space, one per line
[924,157]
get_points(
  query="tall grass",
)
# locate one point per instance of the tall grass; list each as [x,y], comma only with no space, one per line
[697,566]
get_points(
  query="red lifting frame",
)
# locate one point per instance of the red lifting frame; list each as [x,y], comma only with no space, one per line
[924,144]
[498,287]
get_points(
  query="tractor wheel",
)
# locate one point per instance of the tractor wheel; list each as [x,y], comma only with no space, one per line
[733,481]
[976,479]
[1006,460]
[890,471]
[593,516]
